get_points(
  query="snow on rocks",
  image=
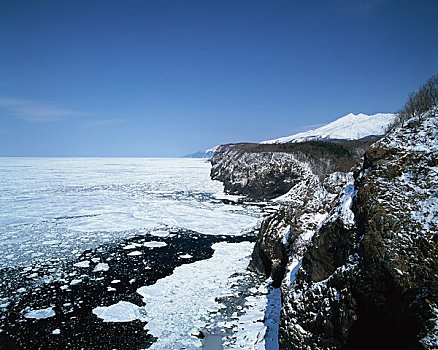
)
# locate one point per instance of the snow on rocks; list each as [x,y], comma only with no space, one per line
[291,271]
[343,210]
[396,201]
[431,339]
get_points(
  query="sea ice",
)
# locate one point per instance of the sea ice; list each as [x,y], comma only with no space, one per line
[155,244]
[160,233]
[130,246]
[40,313]
[177,304]
[82,264]
[123,311]
[78,206]
[185,256]
[135,253]
[101,267]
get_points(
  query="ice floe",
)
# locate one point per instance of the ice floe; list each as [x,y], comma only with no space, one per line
[82,264]
[155,244]
[135,253]
[101,267]
[40,313]
[160,233]
[123,311]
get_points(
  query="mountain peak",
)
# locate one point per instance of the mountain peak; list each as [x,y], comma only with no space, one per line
[349,127]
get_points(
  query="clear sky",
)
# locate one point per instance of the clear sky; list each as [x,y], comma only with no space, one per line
[171,77]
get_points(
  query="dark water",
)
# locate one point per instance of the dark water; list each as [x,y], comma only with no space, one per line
[73,304]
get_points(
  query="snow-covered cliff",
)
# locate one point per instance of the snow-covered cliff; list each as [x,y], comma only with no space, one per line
[354,253]
[357,267]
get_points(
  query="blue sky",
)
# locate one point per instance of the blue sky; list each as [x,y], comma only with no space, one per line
[170,77]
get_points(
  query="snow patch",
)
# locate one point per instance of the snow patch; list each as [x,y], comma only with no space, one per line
[292,270]
[285,234]
[343,210]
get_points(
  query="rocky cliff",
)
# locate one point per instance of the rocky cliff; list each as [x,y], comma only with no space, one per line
[266,171]
[356,254]
[369,277]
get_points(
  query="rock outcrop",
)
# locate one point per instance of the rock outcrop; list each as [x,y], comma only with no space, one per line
[266,171]
[369,277]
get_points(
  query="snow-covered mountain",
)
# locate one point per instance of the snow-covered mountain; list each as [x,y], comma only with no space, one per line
[208,153]
[349,127]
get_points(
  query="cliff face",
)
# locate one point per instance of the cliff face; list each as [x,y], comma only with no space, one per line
[262,175]
[266,171]
[355,257]
[369,276]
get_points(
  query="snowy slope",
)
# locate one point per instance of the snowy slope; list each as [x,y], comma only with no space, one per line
[349,127]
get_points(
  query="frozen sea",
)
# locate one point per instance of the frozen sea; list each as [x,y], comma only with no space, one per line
[125,253]
[56,207]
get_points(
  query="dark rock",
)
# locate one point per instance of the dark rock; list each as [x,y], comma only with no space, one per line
[373,285]
[269,254]
[198,334]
